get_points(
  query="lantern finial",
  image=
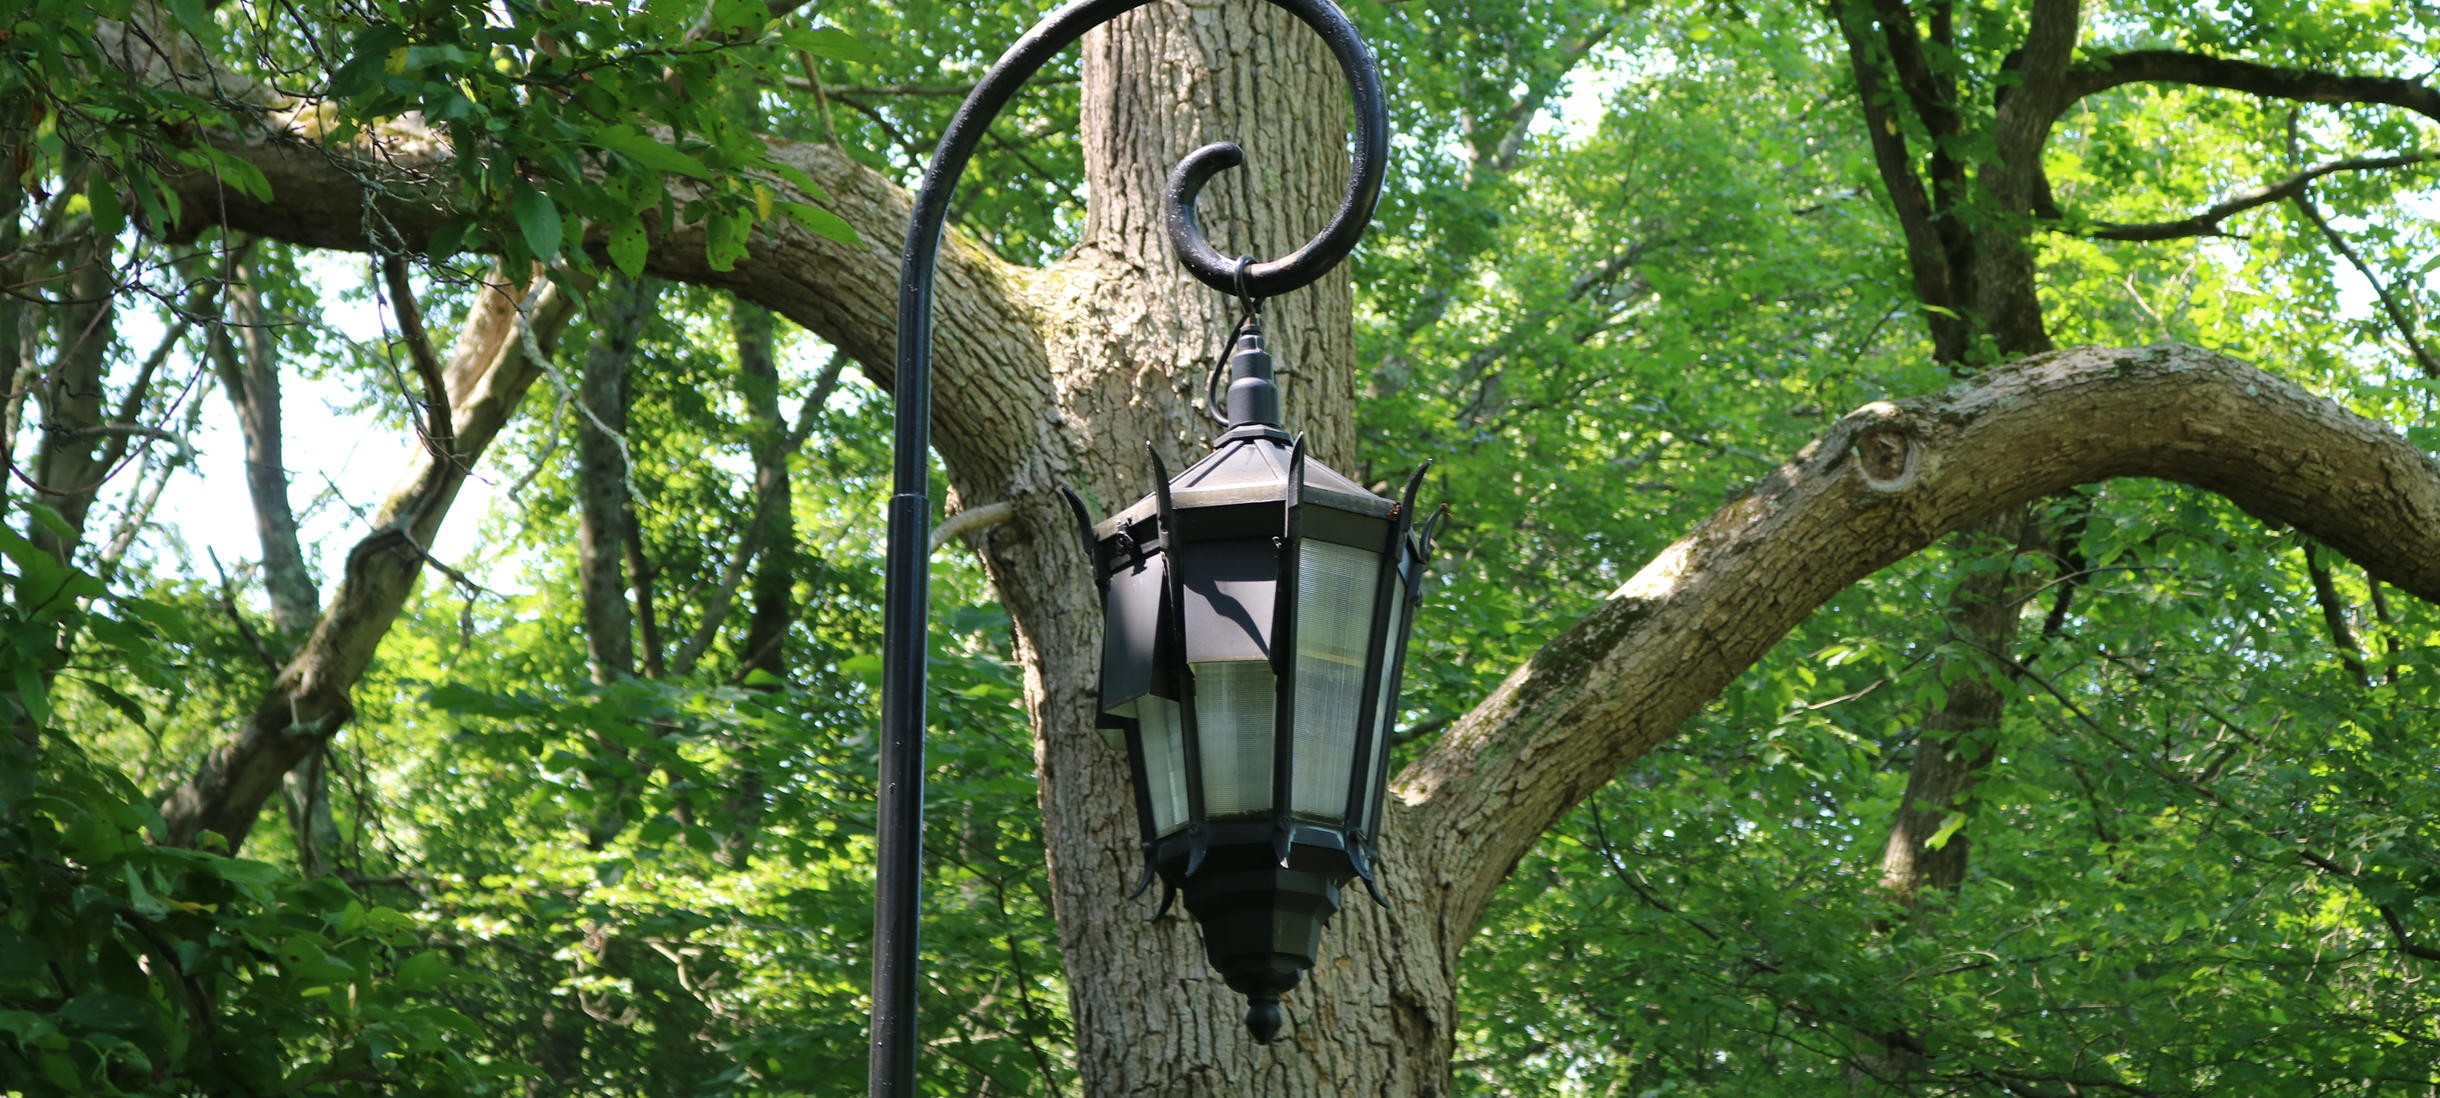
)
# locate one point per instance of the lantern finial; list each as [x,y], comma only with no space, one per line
[1263,1018]
[1253,398]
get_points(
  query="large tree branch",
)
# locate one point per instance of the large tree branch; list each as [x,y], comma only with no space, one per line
[2269,81]
[987,353]
[1888,480]
[2207,222]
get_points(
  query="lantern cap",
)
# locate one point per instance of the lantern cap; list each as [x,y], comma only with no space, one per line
[1249,464]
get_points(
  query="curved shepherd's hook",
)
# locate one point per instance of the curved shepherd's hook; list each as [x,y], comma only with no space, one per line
[907,603]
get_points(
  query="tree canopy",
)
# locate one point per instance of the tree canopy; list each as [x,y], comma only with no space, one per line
[1939,591]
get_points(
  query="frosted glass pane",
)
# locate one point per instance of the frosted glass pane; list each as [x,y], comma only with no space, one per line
[1164,760]
[1386,721]
[1235,704]
[1335,586]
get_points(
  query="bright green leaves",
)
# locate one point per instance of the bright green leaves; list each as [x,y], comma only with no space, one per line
[132,968]
[591,133]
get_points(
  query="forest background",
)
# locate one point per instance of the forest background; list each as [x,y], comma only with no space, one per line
[446,467]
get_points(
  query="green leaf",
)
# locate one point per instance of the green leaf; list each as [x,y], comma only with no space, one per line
[1948,826]
[793,174]
[106,1011]
[61,1072]
[724,239]
[244,871]
[423,970]
[190,14]
[829,42]
[633,144]
[108,216]
[820,221]
[141,898]
[49,519]
[240,173]
[538,219]
[736,20]
[31,694]
[367,62]
[628,244]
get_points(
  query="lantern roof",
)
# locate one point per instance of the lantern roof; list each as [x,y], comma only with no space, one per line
[1250,464]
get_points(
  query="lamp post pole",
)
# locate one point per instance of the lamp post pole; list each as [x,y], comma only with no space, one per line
[906,601]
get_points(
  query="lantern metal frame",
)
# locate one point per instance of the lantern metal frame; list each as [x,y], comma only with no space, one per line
[1197,542]
[906,601]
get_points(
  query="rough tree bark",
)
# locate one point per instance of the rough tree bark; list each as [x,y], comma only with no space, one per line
[1056,376]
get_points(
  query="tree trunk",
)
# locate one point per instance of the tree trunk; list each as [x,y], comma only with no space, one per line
[772,595]
[771,606]
[1959,739]
[603,473]
[1128,336]
[68,464]
[243,354]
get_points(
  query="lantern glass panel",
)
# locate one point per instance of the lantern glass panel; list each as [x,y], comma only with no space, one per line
[1164,740]
[1335,588]
[1235,703]
[1386,720]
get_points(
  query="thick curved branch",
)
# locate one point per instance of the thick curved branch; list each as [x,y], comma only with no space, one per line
[2269,81]
[1888,480]
[845,293]
[2207,223]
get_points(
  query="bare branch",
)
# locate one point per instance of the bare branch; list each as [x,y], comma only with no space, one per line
[843,292]
[2269,81]
[308,702]
[2399,318]
[1927,257]
[866,91]
[427,363]
[2334,615]
[972,520]
[2207,223]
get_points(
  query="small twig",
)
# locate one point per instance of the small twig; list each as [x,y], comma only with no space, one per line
[2398,316]
[439,433]
[186,449]
[228,602]
[946,91]
[972,520]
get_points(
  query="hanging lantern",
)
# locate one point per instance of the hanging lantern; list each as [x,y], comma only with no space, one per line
[1255,611]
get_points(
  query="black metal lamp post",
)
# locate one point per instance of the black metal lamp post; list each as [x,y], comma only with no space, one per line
[1258,605]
